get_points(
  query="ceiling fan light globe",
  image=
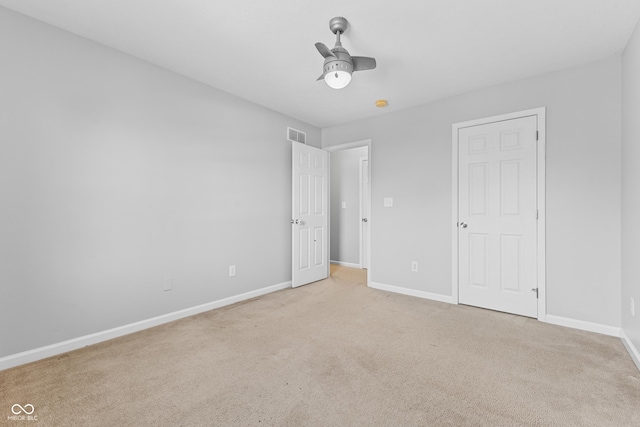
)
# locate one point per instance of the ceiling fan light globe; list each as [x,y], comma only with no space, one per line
[337,79]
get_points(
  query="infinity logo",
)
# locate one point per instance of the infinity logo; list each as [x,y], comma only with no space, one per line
[22,409]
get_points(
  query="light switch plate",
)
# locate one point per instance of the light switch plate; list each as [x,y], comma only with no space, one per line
[344,205]
[388,202]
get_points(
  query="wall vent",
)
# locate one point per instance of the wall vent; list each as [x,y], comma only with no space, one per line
[295,135]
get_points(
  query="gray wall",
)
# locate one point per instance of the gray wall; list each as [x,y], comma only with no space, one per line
[631,187]
[345,187]
[115,174]
[411,162]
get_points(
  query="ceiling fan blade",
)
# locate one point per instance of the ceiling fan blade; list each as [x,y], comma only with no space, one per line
[363,63]
[324,50]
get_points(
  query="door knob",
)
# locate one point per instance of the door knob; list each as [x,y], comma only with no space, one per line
[364,220]
[463,225]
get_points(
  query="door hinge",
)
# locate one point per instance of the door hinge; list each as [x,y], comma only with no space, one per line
[536,291]
[537,214]
[537,135]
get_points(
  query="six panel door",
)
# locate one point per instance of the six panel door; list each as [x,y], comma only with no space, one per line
[497,234]
[310,214]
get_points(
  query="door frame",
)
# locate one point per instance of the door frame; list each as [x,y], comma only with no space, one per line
[540,114]
[347,146]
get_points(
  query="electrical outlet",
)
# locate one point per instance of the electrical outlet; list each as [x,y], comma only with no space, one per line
[633,307]
[232,271]
[168,283]
[414,265]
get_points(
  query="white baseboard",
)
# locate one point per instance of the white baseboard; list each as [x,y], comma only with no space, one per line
[633,351]
[346,264]
[582,325]
[412,292]
[76,343]
[555,320]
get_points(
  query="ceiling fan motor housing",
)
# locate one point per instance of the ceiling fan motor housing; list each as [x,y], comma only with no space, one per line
[341,62]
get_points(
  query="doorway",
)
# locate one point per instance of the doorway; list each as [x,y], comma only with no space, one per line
[350,207]
[498,236]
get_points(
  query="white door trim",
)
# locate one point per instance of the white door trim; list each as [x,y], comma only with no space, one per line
[540,113]
[355,144]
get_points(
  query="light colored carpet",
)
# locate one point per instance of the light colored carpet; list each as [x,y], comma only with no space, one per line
[336,353]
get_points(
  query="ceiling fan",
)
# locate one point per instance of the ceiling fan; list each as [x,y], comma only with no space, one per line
[338,64]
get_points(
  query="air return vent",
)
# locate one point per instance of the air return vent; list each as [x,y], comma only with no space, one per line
[295,135]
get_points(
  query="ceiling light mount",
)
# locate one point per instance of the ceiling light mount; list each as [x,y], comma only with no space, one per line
[338,24]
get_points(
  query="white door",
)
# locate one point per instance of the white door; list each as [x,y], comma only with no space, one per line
[497,216]
[364,212]
[310,216]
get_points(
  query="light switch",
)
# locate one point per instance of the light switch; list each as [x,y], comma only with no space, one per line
[344,205]
[388,202]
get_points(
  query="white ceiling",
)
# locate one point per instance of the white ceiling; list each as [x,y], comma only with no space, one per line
[263,50]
